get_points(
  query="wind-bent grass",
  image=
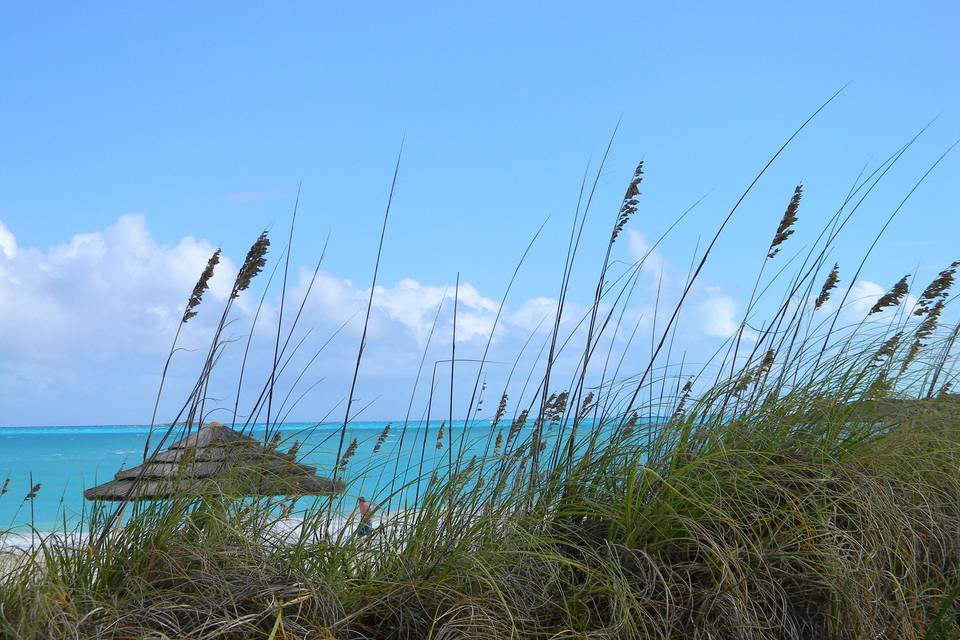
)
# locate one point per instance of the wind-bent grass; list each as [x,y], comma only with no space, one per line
[809,490]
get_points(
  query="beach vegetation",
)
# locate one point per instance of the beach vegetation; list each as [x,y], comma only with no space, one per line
[802,483]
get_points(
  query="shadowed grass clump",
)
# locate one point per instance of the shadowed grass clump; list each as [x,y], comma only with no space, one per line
[802,484]
[768,529]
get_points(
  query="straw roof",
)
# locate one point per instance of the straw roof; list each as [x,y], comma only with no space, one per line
[215,458]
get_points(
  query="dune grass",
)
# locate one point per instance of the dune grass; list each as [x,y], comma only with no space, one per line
[804,484]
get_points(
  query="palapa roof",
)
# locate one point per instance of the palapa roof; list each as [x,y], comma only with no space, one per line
[212,459]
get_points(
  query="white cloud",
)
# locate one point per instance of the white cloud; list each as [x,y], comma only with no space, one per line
[718,314]
[534,312]
[8,243]
[414,305]
[100,293]
[863,295]
[107,303]
[641,249]
[87,323]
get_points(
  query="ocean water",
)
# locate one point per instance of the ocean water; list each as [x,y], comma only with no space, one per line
[66,460]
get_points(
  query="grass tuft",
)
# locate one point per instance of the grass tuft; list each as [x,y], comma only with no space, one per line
[809,492]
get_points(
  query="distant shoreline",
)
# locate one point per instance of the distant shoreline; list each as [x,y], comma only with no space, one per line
[308,424]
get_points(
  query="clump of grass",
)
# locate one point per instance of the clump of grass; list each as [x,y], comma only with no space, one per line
[810,492]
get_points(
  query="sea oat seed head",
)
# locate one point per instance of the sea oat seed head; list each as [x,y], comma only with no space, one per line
[929,324]
[351,449]
[768,360]
[517,425]
[880,387]
[743,382]
[893,297]
[292,452]
[501,409]
[382,438]
[889,346]
[252,264]
[630,425]
[556,405]
[202,285]
[630,202]
[585,406]
[785,228]
[275,440]
[828,285]
[911,355]
[684,396]
[440,435]
[33,492]
[938,289]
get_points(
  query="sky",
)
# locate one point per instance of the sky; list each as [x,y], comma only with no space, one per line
[136,139]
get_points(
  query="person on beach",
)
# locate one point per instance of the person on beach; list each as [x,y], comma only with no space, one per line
[366,513]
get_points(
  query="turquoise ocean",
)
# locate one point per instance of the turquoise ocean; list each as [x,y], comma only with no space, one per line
[65,460]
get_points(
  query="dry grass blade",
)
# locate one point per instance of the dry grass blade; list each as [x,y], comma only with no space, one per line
[821,501]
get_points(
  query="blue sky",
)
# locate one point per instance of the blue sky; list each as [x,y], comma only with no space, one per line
[201,120]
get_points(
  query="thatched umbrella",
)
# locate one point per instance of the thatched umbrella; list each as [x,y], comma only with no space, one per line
[215,458]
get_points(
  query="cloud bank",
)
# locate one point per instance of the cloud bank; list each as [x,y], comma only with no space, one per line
[86,326]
